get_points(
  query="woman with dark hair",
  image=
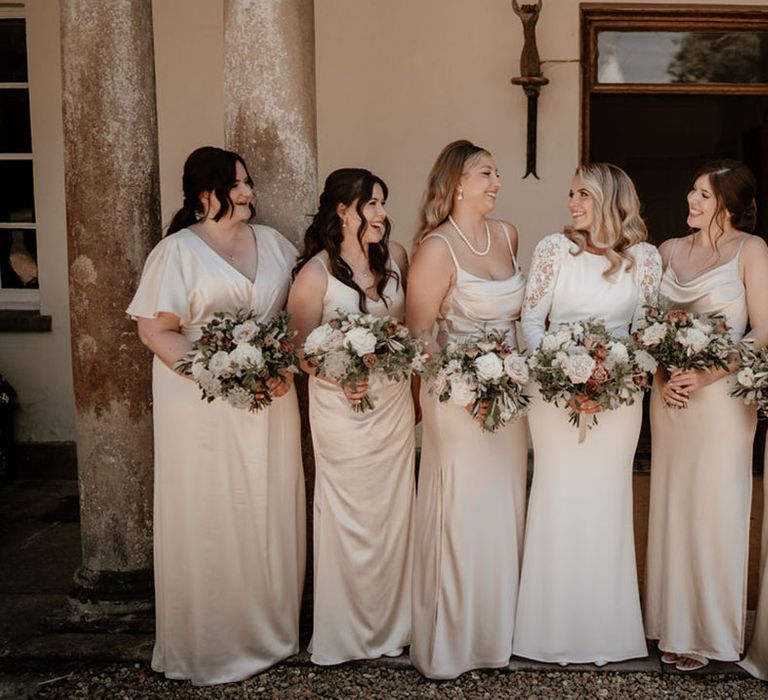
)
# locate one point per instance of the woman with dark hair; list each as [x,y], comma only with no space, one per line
[471,500]
[229,492]
[579,597]
[364,462]
[701,470]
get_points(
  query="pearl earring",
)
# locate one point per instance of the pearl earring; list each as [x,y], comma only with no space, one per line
[460,195]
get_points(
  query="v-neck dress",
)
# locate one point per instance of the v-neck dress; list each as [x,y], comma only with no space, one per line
[229,531]
[363,508]
[701,492]
[470,507]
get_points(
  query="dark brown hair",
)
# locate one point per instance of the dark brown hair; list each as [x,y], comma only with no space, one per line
[207,169]
[347,186]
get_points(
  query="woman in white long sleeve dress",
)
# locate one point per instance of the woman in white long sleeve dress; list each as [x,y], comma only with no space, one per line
[364,462]
[471,496]
[579,600]
[701,469]
[229,490]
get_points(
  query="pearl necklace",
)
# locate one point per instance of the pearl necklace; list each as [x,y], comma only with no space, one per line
[466,240]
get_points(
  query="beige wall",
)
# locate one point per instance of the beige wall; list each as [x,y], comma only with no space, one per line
[38,364]
[189,75]
[399,79]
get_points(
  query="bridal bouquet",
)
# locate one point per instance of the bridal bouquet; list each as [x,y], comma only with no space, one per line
[235,357]
[681,340]
[583,362]
[752,377]
[483,370]
[352,347]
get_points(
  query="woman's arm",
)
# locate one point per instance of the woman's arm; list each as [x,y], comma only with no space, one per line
[431,277]
[163,337]
[539,290]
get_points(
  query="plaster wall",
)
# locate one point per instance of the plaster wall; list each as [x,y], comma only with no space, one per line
[39,364]
[397,80]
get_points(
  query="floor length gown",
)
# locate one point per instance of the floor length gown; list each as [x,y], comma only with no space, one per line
[470,505]
[579,600]
[756,660]
[701,491]
[364,500]
[229,537]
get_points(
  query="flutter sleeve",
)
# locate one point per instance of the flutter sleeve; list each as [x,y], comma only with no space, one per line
[163,287]
[648,263]
[542,278]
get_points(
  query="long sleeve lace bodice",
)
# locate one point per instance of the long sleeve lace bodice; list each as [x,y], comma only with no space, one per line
[565,288]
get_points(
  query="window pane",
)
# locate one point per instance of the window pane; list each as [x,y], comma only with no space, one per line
[682,57]
[13,51]
[17,203]
[15,135]
[18,260]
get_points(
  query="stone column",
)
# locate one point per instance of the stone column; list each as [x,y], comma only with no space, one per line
[113,220]
[269,97]
[269,93]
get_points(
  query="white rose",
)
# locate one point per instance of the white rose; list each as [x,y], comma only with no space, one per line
[516,368]
[462,390]
[654,334]
[549,343]
[618,354]
[579,368]
[746,377]
[244,332]
[453,367]
[700,325]
[239,397]
[198,366]
[563,336]
[336,364]
[247,355]
[693,339]
[317,339]
[220,363]
[489,366]
[560,359]
[210,384]
[361,340]
[645,361]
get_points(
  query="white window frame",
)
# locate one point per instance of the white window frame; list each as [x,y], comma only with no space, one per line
[18,298]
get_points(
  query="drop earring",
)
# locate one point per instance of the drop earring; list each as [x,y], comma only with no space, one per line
[460,196]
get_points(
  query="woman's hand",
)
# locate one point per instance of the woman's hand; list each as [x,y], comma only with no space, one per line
[280,386]
[582,404]
[686,382]
[355,394]
[671,394]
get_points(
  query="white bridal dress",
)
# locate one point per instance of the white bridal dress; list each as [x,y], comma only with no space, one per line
[364,500]
[470,506]
[229,490]
[756,660]
[701,491]
[579,600]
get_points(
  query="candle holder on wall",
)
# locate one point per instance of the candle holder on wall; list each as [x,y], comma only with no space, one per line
[531,78]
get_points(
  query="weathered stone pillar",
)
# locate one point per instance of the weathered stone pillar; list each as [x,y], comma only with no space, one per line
[271,119]
[113,220]
[269,93]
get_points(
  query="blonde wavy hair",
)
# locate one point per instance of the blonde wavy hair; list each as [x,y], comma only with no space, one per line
[443,180]
[617,222]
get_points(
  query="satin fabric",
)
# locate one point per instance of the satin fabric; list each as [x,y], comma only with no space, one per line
[229,535]
[470,505]
[363,508]
[579,599]
[756,660]
[701,491]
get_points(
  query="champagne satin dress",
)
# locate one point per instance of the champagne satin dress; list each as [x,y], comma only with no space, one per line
[701,491]
[364,500]
[579,598]
[470,506]
[229,531]
[756,660]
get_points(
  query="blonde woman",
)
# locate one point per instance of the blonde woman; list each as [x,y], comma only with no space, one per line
[579,600]
[701,471]
[471,497]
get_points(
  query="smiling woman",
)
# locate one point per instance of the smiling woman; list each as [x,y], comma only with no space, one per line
[229,492]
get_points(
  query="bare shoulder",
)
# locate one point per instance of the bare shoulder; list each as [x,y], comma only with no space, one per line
[511,229]
[433,248]
[755,245]
[312,277]
[666,248]
[398,253]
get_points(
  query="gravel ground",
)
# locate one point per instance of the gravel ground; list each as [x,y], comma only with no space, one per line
[119,682]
